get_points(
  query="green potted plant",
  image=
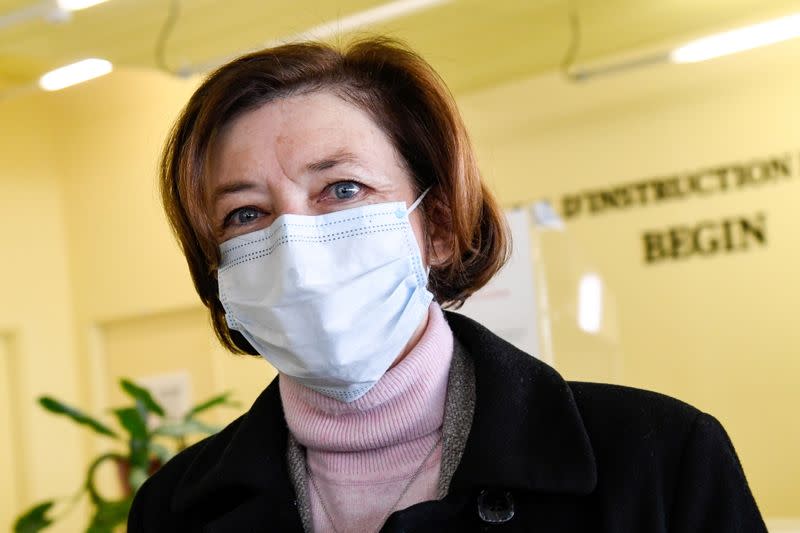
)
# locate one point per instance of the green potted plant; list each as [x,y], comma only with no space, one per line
[146,446]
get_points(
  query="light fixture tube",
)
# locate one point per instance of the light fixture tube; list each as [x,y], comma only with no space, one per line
[375,15]
[74,73]
[77,5]
[739,40]
[590,303]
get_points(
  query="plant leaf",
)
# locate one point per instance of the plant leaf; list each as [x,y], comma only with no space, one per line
[35,519]
[131,419]
[59,408]
[184,429]
[89,483]
[163,453]
[222,399]
[137,477]
[108,515]
[141,395]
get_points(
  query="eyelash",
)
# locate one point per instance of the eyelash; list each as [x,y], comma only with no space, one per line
[228,221]
[331,189]
[229,218]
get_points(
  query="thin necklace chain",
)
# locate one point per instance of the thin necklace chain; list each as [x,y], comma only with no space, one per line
[397,501]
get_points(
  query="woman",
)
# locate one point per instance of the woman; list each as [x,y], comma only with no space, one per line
[329,204]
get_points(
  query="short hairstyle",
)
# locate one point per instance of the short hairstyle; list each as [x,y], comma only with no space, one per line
[403,95]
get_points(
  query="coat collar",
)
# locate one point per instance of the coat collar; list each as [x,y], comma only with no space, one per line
[242,471]
[526,434]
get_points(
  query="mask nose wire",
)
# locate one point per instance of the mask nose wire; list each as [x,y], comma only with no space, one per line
[418,200]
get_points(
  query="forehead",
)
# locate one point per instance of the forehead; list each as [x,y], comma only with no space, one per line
[302,126]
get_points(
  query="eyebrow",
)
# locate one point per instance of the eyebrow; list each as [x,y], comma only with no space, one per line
[232,188]
[330,161]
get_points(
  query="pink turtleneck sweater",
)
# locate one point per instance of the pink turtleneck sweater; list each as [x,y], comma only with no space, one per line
[363,454]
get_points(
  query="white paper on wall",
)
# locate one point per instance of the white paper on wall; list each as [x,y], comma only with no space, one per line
[507,304]
[172,390]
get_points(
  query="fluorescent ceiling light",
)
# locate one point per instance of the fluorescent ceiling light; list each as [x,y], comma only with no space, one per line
[590,303]
[75,73]
[381,13]
[362,19]
[734,41]
[76,5]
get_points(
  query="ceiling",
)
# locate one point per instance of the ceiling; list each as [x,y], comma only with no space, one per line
[473,43]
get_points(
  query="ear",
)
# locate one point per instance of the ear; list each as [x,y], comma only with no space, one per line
[439,247]
[439,237]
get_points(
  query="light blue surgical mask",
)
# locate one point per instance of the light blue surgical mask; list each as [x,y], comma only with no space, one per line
[330,300]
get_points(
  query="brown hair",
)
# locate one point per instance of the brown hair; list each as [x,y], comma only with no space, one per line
[408,101]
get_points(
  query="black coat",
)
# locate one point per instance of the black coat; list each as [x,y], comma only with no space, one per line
[543,455]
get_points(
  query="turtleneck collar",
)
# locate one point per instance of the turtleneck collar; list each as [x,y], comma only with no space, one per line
[394,423]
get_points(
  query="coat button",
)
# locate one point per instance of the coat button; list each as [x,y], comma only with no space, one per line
[495,506]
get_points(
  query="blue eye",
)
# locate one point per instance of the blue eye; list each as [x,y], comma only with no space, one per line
[346,190]
[244,216]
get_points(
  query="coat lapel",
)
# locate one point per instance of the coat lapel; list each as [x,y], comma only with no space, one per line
[243,476]
[527,432]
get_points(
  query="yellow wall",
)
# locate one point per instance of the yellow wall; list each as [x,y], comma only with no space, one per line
[112,291]
[128,275]
[40,457]
[718,332]
[91,269]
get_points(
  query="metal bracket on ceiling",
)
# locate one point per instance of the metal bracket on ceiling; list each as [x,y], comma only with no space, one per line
[577,74]
[582,74]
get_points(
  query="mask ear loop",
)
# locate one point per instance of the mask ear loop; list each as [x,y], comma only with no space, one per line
[410,209]
[418,200]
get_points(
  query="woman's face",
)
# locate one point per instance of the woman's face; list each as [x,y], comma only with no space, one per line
[306,154]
